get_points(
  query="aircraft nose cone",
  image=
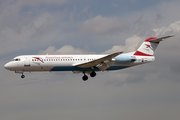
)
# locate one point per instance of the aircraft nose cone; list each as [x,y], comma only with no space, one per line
[7,66]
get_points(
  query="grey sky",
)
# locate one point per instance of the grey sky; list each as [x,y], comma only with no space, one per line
[146,92]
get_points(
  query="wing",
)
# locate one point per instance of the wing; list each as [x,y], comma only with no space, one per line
[101,63]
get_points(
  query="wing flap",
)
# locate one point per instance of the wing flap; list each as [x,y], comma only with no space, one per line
[103,66]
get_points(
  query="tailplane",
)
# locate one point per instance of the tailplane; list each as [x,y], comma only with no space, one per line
[149,46]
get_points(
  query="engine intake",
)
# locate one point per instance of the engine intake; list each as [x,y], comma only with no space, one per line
[124,59]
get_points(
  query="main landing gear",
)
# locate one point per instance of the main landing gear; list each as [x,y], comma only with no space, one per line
[85,77]
[92,74]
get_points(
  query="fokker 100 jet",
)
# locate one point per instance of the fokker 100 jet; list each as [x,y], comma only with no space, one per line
[86,64]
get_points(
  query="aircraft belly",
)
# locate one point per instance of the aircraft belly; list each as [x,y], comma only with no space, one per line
[74,68]
[70,68]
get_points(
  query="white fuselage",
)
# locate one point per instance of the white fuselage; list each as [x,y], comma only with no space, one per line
[30,63]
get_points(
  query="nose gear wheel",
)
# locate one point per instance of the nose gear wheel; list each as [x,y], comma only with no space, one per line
[22,76]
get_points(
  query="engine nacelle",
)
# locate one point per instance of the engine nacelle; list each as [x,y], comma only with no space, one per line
[124,59]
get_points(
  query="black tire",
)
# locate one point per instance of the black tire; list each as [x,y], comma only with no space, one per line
[85,77]
[93,74]
[22,76]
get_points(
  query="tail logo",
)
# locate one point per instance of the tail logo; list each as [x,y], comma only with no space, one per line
[148,46]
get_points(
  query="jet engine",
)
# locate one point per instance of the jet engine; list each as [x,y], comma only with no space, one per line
[124,59]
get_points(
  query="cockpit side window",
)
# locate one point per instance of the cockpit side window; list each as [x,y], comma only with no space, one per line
[17,59]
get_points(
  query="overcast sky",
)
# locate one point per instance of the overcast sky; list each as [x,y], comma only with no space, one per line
[147,92]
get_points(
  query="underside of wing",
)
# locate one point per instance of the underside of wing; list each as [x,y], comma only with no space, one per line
[101,63]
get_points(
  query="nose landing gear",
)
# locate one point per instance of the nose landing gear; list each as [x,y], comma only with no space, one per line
[22,76]
[21,72]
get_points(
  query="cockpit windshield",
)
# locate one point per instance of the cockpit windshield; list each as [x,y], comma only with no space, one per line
[17,59]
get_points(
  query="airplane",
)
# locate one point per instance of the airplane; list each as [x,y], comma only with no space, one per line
[86,64]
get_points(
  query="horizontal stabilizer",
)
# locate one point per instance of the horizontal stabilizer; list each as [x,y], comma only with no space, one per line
[160,39]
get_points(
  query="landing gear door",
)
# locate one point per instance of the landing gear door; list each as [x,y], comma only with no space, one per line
[27,62]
